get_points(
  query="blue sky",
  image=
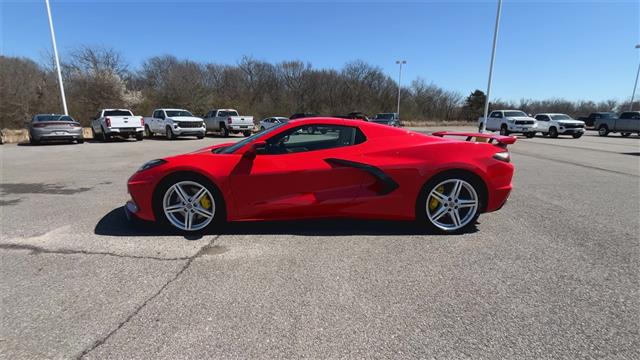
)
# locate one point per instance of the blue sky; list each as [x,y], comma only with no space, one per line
[562,49]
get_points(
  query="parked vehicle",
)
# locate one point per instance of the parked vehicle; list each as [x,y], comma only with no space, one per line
[173,123]
[54,127]
[355,116]
[353,170]
[302,115]
[627,123]
[553,125]
[511,121]
[590,121]
[390,119]
[226,121]
[117,122]
[271,122]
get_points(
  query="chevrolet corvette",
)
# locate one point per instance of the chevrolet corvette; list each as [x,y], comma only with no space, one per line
[328,168]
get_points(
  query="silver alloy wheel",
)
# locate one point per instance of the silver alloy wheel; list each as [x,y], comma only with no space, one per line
[185,207]
[456,204]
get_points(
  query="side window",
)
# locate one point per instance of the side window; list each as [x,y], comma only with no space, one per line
[313,137]
[539,117]
[155,114]
[496,114]
[161,114]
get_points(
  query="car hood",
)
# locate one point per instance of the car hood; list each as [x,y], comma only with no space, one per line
[185,118]
[572,122]
[521,118]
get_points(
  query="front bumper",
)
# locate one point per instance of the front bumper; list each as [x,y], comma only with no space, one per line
[189,131]
[522,128]
[571,131]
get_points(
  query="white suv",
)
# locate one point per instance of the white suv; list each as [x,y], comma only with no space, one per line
[559,124]
[511,121]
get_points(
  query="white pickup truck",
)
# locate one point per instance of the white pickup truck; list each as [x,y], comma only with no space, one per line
[227,121]
[117,122]
[552,125]
[173,123]
[511,121]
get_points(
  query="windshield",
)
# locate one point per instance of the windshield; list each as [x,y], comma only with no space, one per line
[384,116]
[227,113]
[561,117]
[231,149]
[118,113]
[173,113]
[514,114]
[608,116]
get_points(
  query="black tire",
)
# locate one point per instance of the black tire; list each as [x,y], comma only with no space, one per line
[105,137]
[93,134]
[169,133]
[246,133]
[421,202]
[147,131]
[504,130]
[625,134]
[33,141]
[219,218]
[576,135]
[224,131]
[140,136]
[262,128]
[603,130]
[80,141]
[200,137]
[530,135]
[553,132]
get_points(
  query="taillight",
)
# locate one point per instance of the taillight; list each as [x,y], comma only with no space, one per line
[229,120]
[502,156]
[141,121]
[107,121]
[39,125]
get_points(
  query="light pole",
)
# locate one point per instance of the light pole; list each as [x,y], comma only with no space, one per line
[55,54]
[633,95]
[483,124]
[399,62]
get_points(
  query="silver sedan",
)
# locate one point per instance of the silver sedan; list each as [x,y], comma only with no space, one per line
[272,121]
[54,127]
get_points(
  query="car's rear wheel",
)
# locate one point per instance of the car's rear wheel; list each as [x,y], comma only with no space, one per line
[603,130]
[451,202]
[625,134]
[246,133]
[147,132]
[189,203]
[224,131]
[105,136]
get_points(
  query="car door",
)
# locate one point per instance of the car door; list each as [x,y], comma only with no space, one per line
[297,176]
[543,123]
[493,122]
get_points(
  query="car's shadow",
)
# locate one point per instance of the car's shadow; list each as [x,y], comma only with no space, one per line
[115,223]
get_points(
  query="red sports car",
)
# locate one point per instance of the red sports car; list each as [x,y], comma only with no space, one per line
[328,168]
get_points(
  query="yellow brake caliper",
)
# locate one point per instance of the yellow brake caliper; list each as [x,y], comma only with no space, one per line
[433,202]
[205,202]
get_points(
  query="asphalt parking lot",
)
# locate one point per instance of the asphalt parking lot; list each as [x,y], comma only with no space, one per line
[554,274]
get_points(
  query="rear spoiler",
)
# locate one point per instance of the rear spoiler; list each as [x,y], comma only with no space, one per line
[480,137]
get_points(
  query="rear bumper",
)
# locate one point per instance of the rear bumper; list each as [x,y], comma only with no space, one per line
[233,127]
[43,135]
[125,131]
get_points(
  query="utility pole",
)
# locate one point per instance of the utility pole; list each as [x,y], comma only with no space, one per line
[55,54]
[483,124]
[399,62]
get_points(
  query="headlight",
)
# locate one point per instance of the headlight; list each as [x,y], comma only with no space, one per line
[151,164]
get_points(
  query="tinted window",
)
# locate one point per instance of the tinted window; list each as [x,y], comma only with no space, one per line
[66,118]
[227,113]
[630,115]
[47,117]
[312,138]
[561,117]
[496,114]
[171,113]
[118,113]
[514,113]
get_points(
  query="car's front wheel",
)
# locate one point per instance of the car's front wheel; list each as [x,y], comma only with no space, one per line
[625,134]
[603,130]
[451,203]
[188,203]
[530,135]
[504,131]
[577,135]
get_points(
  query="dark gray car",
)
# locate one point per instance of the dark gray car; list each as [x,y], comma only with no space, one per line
[54,127]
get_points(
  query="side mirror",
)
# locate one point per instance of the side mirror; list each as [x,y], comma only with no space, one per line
[255,149]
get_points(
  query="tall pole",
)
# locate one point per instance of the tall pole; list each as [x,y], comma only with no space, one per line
[633,95]
[483,124]
[400,62]
[55,54]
